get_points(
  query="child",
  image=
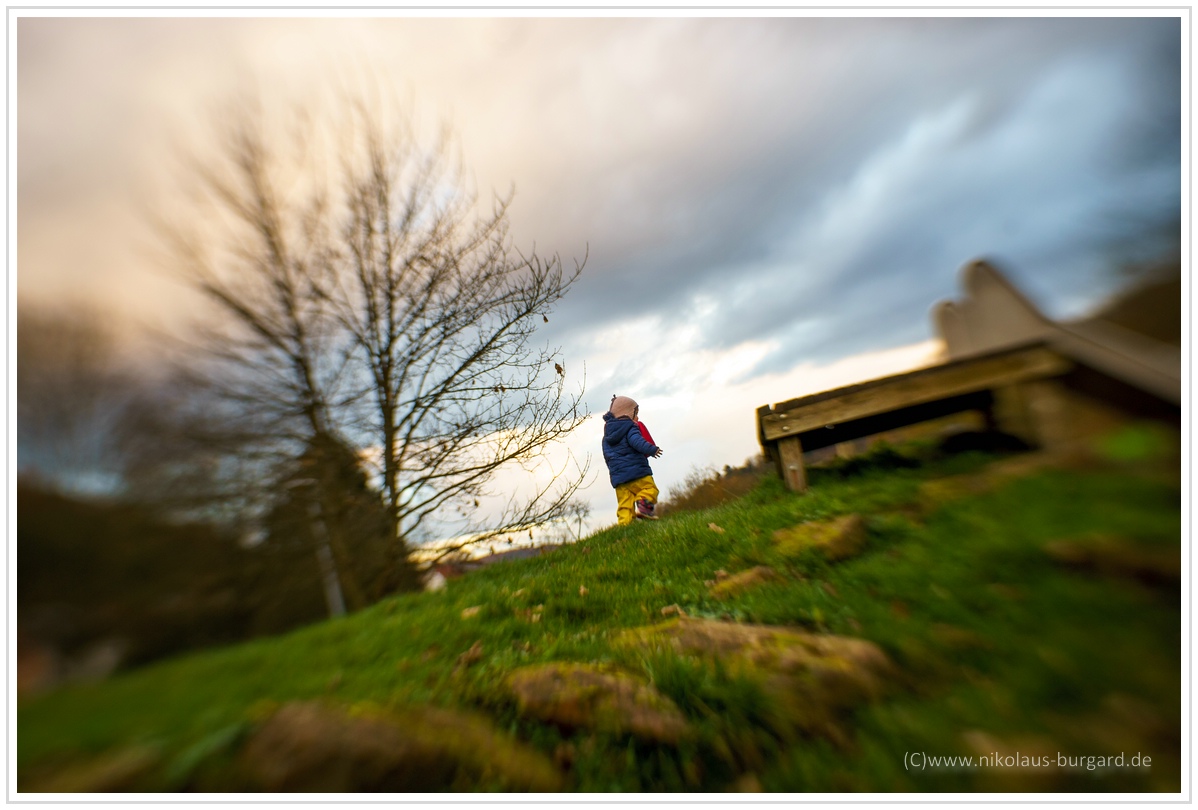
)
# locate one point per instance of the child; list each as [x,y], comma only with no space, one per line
[626,452]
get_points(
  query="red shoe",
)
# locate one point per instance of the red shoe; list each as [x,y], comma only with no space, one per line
[645,510]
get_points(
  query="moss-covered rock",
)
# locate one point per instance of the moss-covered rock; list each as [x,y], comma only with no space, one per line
[740,582]
[316,747]
[810,677]
[836,539]
[589,696]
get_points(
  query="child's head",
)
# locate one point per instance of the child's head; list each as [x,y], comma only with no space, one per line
[624,406]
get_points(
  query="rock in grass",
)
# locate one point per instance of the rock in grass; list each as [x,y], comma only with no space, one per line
[836,539]
[809,676]
[1114,556]
[587,696]
[119,771]
[740,582]
[313,747]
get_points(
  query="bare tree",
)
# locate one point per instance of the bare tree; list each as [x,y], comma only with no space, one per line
[367,298]
[569,525]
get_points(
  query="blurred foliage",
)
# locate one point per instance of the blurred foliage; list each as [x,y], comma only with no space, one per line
[703,488]
[89,571]
[1142,441]
[100,570]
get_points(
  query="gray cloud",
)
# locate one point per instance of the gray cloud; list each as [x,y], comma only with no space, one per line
[820,180]
[1051,143]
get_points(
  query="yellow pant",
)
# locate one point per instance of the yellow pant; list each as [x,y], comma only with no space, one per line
[628,494]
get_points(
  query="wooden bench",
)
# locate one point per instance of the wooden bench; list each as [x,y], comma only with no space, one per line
[1001,383]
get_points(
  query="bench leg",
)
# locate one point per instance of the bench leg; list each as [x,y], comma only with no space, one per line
[1010,414]
[790,462]
[1054,421]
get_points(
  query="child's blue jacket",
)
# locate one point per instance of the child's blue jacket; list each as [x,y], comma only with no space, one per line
[625,450]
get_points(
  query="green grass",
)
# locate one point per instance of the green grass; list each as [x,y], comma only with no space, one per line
[989,636]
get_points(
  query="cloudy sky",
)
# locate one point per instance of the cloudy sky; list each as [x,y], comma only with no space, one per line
[771,206]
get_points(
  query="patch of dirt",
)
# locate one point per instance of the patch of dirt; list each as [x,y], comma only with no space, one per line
[117,772]
[1014,777]
[836,539]
[740,582]
[1118,557]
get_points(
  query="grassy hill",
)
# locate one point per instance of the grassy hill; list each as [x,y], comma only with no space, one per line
[975,606]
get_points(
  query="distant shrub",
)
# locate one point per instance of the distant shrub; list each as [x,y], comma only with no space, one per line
[705,487]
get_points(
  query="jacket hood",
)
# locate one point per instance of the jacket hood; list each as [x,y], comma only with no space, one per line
[616,428]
